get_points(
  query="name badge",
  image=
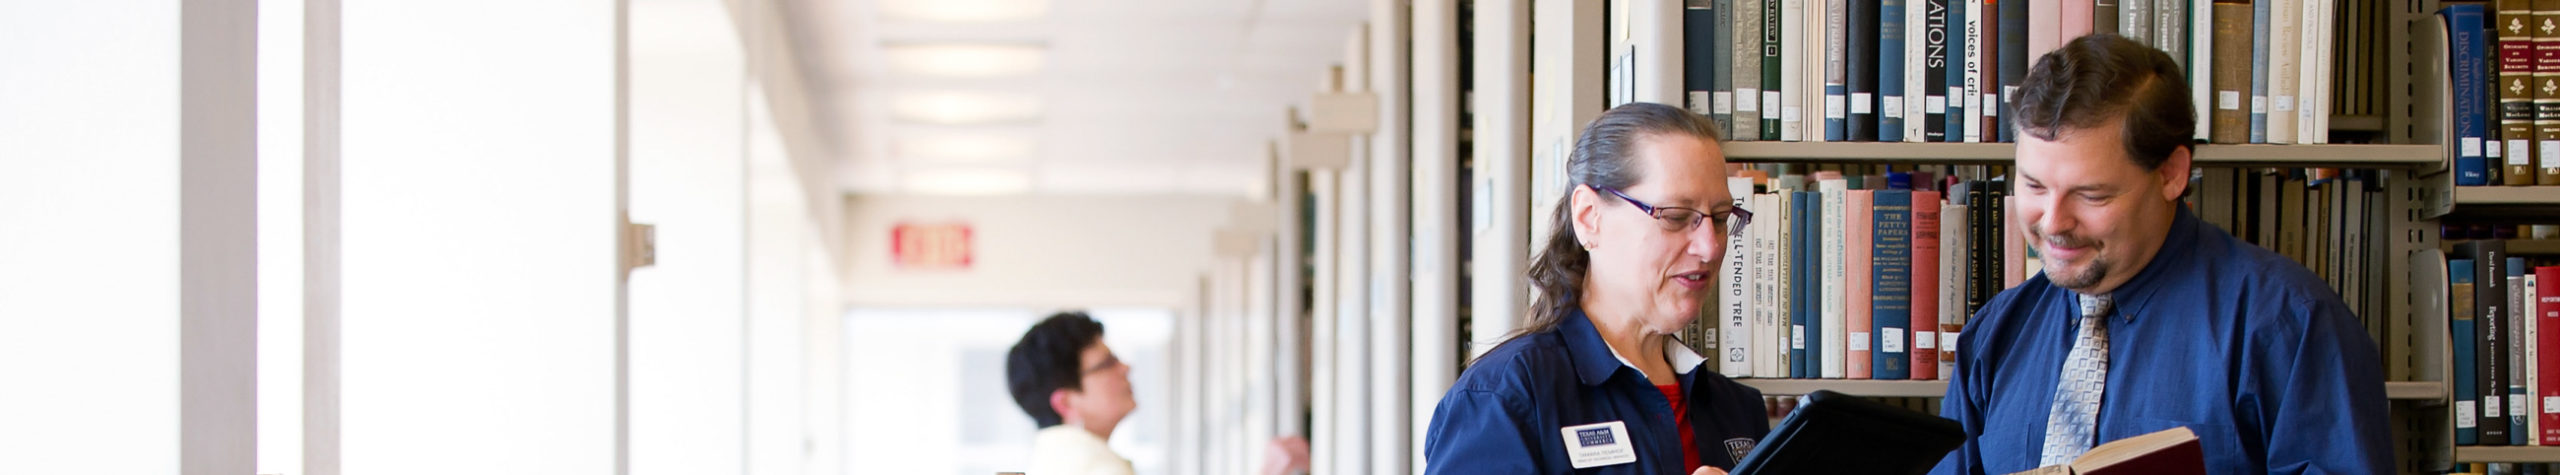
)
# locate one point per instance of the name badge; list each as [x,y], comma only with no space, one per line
[1594,445]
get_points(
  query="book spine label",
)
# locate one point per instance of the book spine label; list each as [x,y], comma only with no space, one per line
[1893,267]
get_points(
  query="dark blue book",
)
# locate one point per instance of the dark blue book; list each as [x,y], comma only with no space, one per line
[1807,210]
[1933,62]
[1890,58]
[2466,354]
[1699,73]
[2013,62]
[2466,24]
[1892,278]
[1955,71]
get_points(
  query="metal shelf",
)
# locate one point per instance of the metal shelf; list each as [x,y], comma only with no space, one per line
[2322,156]
[2524,454]
[2506,195]
[2533,247]
[2396,390]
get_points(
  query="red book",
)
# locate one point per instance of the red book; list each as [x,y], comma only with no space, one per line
[1924,285]
[2546,307]
[1860,242]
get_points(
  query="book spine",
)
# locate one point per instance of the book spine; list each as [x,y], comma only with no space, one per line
[2231,77]
[1973,69]
[2546,304]
[2311,100]
[1736,290]
[1697,71]
[2516,112]
[1858,295]
[1925,272]
[1977,256]
[2466,354]
[1834,67]
[1892,56]
[2183,28]
[1933,51]
[1956,32]
[2106,16]
[2518,424]
[1914,70]
[1894,307]
[1802,36]
[2546,90]
[1746,69]
[1773,68]
[1996,235]
[1988,42]
[2135,22]
[1835,304]
[2259,72]
[2470,112]
[2013,58]
[1951,264]
[1806,316]
[2284,56]
[2466,351]
[1769,356]
[2528,311]
[2079,18]
[2488,259]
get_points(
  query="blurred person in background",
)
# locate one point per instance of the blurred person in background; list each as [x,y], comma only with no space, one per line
[1077,390]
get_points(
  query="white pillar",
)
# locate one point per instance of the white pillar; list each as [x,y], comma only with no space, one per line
[689,178]
[1655,24]
[1435,216]
[1501,181]
[1389,165]
[1288,312]
[1351,346]
[320,243]
[1567,41]
[217,237]
[1189,428]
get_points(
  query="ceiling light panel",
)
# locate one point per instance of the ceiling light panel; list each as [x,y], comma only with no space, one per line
[966,60]
[968,181]
[964,148]
[964,11]
[965,107]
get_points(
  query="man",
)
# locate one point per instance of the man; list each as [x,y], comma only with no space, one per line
[2146,318]
[1076,390]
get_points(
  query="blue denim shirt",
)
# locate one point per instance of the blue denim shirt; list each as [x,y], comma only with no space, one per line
[2245,347]
[1507,413]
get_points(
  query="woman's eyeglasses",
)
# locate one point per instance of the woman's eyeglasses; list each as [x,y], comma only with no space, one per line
[1729,223]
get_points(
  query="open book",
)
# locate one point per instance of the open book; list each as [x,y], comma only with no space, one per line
[2169,452]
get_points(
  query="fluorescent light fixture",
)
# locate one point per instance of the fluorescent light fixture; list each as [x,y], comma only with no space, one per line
[967,181]
[964,148]
[964,11]
[965,108]
[965,60]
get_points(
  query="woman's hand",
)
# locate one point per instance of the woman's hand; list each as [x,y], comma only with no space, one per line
[1708,471]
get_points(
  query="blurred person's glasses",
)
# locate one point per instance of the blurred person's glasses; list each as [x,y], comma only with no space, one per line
[1728,223]
[1109,362]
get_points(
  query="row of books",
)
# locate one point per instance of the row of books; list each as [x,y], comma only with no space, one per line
[2504,469]
[2505,65]
[2498,306]
[2337,223]
[1858,277]
[1942,70]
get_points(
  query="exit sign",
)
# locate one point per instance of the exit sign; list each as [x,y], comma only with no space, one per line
[930,246]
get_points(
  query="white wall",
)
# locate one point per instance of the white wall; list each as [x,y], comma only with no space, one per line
[1039,250]
[689,179]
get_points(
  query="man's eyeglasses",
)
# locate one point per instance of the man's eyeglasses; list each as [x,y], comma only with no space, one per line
[1729,223]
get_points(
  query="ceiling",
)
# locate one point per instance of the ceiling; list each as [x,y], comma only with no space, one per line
[1064,96]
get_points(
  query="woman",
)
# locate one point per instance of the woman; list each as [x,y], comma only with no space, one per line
[1593,381]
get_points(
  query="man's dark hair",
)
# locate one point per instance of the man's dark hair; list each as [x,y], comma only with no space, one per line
[2103,77]
[1049,358]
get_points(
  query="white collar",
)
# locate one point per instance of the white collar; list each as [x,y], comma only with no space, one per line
[1681,357]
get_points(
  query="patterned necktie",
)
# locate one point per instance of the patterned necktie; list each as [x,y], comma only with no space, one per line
[2068,432]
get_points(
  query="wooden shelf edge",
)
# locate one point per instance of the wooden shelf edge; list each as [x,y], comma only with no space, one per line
[2522,454]
[1853,387]
[2413,390]
[2506,195]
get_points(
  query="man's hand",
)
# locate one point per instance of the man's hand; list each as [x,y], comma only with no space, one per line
[1287,455]
[1708,471]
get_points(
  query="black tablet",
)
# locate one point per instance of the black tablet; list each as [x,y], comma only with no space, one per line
[1839,433]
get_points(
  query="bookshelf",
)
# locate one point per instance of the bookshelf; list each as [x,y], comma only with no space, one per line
[2396,390]
[2278,156]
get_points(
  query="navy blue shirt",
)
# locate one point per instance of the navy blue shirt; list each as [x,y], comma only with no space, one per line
[2246,348]
[1507,413]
